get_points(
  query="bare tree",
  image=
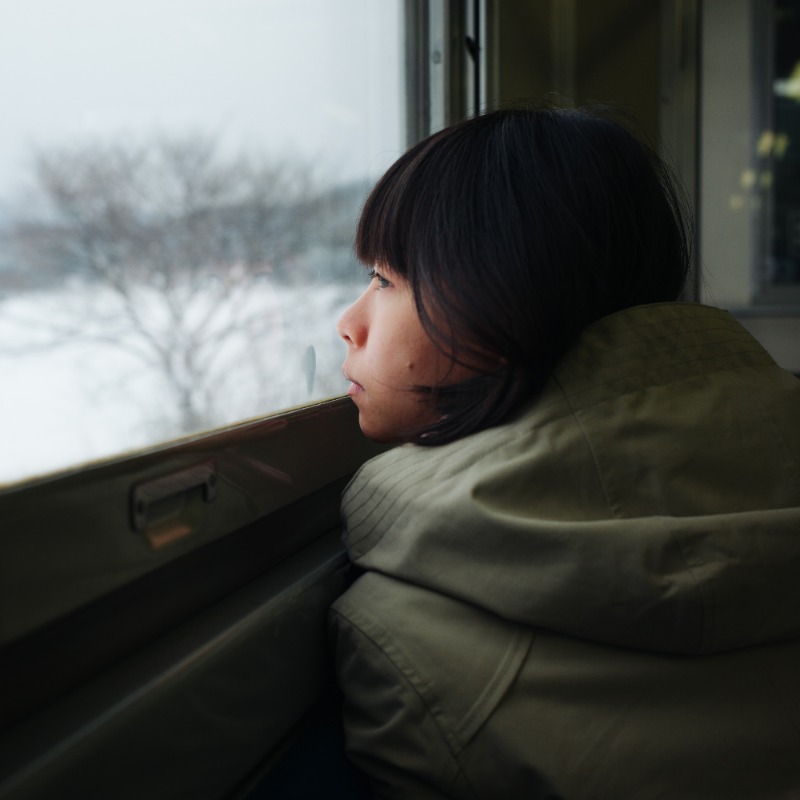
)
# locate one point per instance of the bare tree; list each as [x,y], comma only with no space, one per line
[179,236]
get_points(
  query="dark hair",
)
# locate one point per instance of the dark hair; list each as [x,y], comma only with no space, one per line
[517,229]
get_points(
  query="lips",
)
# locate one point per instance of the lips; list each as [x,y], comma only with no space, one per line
[354,388]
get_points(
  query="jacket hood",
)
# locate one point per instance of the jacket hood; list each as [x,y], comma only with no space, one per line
[649,498]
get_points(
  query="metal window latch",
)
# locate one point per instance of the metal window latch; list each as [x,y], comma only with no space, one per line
[170,507]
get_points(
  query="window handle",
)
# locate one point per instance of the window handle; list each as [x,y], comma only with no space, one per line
[166,508]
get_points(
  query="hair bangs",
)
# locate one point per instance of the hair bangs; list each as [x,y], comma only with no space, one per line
[386,225]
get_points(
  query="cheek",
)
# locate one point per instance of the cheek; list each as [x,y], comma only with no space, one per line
[425,362]
[403,361]
[431,367]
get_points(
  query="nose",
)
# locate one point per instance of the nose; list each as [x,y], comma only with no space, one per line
[352,325]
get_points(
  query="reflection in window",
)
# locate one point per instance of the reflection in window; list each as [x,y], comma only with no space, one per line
[178,190]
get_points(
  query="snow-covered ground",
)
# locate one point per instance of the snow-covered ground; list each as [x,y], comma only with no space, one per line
[68,396]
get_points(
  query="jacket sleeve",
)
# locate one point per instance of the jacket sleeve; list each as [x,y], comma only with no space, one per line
[390,733]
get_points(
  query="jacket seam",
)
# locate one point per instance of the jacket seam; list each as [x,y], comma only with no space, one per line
[595,459]
[384,651]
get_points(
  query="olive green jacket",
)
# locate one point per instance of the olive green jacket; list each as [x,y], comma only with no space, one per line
[599,599]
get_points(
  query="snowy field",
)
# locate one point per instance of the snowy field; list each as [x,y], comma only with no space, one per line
[84,377]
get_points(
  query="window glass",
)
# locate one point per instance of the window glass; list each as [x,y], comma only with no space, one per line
[179,184]
[748,180]
[779,150]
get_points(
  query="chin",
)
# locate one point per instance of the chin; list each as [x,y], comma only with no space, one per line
[379,435]
[388,437]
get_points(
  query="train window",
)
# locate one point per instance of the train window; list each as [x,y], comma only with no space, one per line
[779,154]
[178,189]
[749,193]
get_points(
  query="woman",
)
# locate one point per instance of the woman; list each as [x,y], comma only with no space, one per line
[588,586]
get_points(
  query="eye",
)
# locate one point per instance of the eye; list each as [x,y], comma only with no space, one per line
[383,283]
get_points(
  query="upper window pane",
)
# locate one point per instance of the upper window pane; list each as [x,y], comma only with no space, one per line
[179,183]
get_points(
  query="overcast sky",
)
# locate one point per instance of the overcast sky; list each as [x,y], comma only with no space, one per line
[317,78]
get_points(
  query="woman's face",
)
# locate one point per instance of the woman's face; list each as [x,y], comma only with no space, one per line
[389,354]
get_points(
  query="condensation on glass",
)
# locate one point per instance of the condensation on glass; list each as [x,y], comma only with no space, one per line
[179,184]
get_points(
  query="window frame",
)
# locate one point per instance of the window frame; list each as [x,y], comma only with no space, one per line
[78,562]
